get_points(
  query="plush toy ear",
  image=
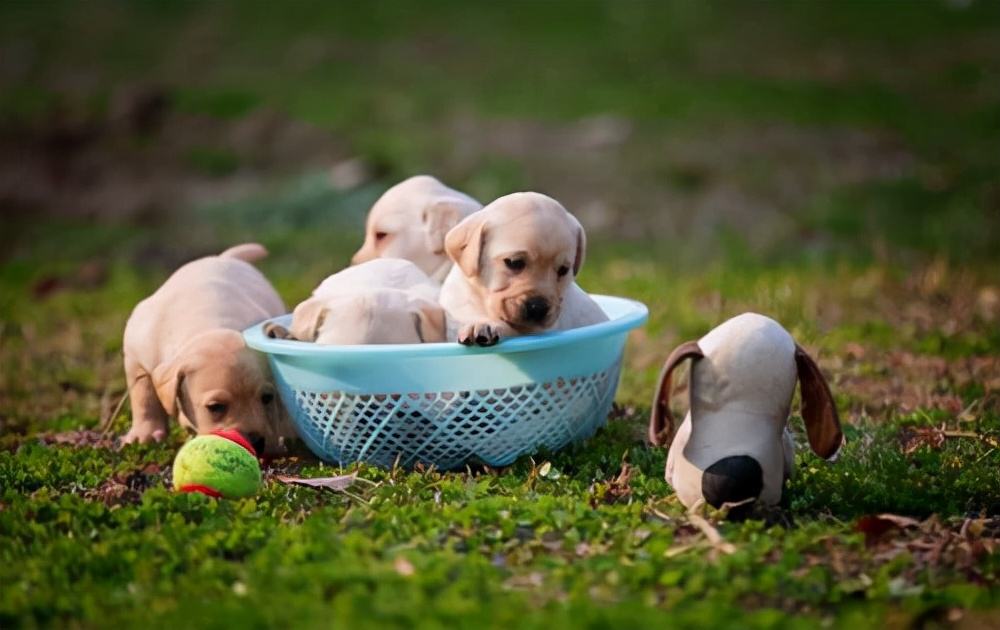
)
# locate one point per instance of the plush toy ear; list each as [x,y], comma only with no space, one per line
[464,243]
[661,421]
[818,409]
[167,380]
[438,218]
[307,319]
[430,321]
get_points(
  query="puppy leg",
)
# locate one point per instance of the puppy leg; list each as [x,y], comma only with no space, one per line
[486,333]
[149,419]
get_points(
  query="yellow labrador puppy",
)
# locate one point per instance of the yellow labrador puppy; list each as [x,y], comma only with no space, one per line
[516,261]
[410,221]
[185,355]
[387,300]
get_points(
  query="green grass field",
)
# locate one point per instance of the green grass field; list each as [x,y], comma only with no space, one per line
[833,166]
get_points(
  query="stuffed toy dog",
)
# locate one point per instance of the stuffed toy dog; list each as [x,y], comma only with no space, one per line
[734,445]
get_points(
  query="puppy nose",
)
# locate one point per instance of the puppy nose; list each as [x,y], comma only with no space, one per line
[732,480]
[258,442]
[536,309]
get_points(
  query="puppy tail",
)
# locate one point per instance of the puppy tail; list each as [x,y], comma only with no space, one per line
[249,252]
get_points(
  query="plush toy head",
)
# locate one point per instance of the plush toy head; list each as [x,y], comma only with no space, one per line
[734,444]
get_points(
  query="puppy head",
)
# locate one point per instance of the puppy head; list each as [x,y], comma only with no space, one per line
[216,381]
[410,221]
[520,254]
[373,317]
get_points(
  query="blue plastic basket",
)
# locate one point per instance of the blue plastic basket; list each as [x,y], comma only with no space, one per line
[446,404]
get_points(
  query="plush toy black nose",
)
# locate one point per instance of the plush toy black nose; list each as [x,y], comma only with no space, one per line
[731,480]
[258,442]
[536,309]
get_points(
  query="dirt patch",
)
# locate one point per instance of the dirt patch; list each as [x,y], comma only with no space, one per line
[628,180]
[146,160]
[127,488]
[79,439]
[904,382]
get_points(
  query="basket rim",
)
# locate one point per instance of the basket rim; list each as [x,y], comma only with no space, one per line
[634,314]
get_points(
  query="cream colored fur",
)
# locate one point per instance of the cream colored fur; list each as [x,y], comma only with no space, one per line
[387,300]
[185,356]
[522,249]
[410,221]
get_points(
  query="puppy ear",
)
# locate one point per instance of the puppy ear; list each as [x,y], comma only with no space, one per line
[818,409]
[277,331]
[430,321]
[464,243]
[167,380]
[307,319]
[661,421]
[438,218]
[581,247]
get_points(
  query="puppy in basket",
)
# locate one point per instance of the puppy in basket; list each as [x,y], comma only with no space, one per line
[410,222]
[386,300]
[185,355]
[516,263]
[734,446]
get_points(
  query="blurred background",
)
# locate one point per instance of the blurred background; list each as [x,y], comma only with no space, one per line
[776,129]
[832,164]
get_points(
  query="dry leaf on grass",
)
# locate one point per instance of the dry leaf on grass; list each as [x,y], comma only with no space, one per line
[875,526]
[935,437]
[337,484]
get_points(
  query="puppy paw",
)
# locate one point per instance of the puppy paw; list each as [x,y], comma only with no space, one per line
[142,435]
[480,334]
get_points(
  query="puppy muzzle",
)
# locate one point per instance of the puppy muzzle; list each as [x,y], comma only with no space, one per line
[531,314]
[535,310]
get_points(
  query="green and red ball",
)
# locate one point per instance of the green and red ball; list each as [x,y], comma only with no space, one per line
[221,464]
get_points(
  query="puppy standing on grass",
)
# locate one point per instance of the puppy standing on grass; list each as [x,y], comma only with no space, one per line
[185,354]
[410,221]
[516,262]
[734,445]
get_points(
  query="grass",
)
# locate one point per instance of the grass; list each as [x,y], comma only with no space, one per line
[832,166]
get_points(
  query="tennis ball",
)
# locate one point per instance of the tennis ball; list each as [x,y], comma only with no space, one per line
[220,464]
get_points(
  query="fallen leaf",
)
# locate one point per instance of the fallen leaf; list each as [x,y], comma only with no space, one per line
[337,484]
[875,526]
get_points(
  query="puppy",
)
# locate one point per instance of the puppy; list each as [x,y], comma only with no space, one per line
[410,221]
[387,300]
[515,265]
[185,354]
[734,445]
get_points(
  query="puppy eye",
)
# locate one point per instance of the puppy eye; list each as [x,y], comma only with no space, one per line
[562,271]
[266,398]
[380,235]
[216,408]
[514,264]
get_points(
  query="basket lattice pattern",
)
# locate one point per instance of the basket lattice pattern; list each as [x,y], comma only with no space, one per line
[450,429]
